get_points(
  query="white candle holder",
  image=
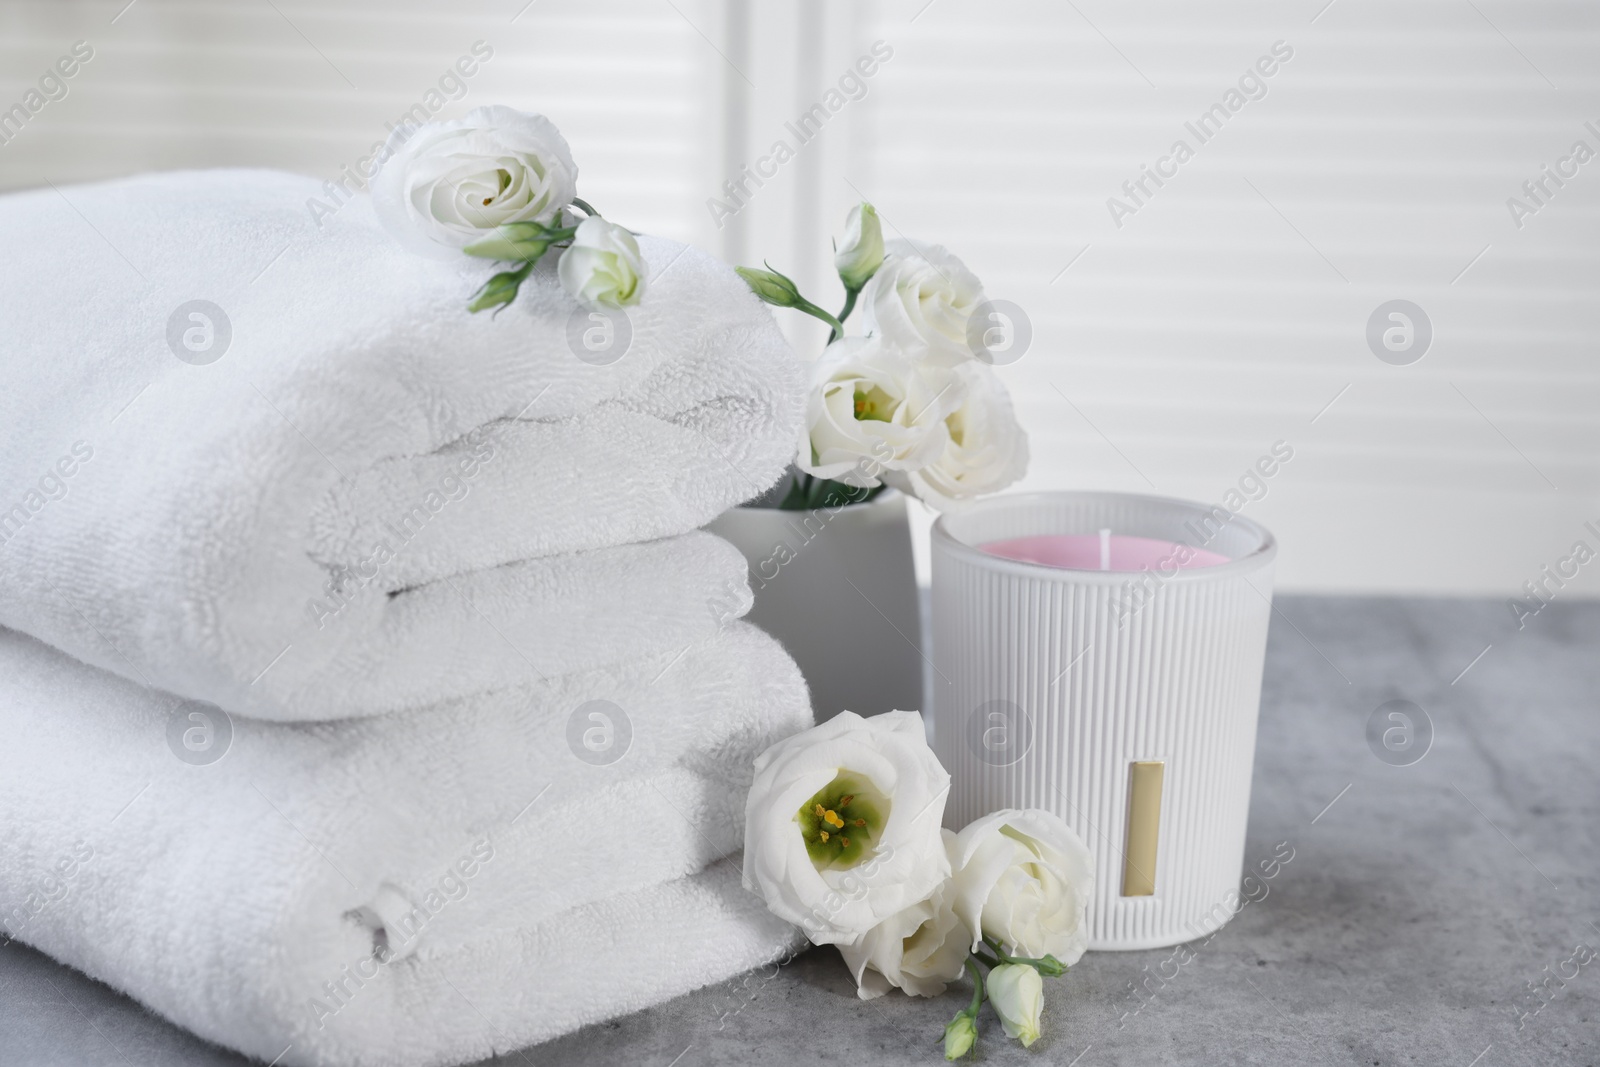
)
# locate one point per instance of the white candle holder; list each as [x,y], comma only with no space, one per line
[1125,702]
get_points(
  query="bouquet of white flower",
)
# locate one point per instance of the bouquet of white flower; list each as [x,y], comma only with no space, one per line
[501,184]
[843,838]
[912,403]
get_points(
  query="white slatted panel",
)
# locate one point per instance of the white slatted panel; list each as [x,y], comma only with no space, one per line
[1221,318]
[309,86]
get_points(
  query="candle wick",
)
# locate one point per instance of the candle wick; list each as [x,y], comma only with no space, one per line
[1105,549]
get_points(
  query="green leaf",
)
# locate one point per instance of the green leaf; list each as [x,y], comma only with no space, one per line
[795,498]
[825,492]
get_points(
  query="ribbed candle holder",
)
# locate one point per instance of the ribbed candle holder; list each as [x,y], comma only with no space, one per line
[1123,701]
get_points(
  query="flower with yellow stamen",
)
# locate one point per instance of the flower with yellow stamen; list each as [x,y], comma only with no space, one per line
[848,801]
[884,788]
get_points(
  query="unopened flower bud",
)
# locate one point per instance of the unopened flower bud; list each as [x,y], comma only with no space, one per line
[959,1035]
[771,286]
[1017,993]
[524,241]
[861,254]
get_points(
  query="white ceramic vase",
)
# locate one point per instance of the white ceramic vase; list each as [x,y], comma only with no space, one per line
[839,589]
[1125,702]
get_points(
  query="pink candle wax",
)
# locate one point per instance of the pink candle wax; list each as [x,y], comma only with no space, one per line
[1102,552]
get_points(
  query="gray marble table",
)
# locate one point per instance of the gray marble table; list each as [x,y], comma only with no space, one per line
[1421,904]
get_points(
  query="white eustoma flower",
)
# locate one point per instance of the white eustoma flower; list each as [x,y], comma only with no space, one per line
[862,251]
[921,299]
[920,950]
[445,185]
[842,824]
[1017,993]
[1024,878]
[873,408]
[987,450]
[602,268]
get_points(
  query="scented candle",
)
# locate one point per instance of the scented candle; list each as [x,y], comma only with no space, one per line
[1099,655]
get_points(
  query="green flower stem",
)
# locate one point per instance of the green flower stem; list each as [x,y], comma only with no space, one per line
[584,204]
[811,309]
[977,989]
[1048,966]
[779,290]
[961,1032]
[844,313]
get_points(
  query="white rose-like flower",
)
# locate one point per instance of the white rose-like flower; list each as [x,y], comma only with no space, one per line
[603,267]
[873,409]
[446,184]
[921,298]
[920,950]
[988,448]
[1017,993]
[1025,879]
[842,824]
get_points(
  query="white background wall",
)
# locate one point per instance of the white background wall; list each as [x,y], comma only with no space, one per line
[1228,313]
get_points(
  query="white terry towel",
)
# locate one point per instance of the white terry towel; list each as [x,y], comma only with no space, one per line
[169,519]
[536,619]
[226,895]
[584,966]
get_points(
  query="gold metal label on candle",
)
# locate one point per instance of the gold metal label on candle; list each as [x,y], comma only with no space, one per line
[1144,827]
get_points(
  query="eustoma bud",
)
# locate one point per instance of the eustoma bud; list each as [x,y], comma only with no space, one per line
[862,251]
[780,291]
[959,1035]
[771,287]
[514,241]
[499,290]
[1017,993]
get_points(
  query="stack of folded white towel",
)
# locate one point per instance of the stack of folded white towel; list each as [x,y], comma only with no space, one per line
[370,695]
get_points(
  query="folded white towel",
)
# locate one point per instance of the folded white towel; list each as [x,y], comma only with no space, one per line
[489,997]
[585,966]
[171,519]
[486,629]
[228,895]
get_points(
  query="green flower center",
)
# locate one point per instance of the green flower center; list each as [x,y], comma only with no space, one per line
[842,823]
[874,404]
